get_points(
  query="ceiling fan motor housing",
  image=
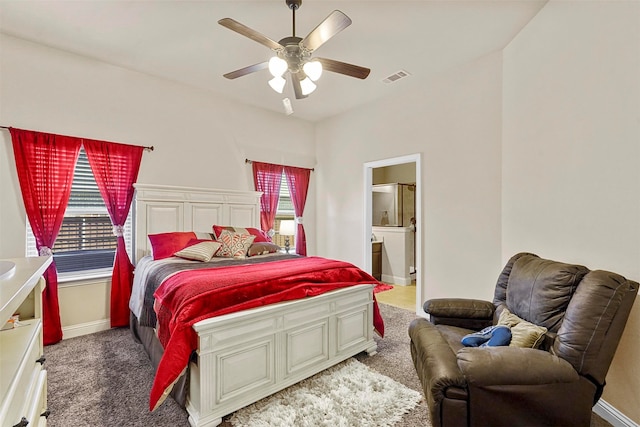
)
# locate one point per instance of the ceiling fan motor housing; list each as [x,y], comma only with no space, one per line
[295,55]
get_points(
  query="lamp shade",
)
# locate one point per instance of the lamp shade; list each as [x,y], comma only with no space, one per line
[277,84]
[277,66]
[307,86]
[313,70]
[287,227]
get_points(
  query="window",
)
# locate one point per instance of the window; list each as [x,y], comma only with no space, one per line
[86,243]
[285,211]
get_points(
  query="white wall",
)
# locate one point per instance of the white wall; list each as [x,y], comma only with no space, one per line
[200,140]
[454,121]
[571,152]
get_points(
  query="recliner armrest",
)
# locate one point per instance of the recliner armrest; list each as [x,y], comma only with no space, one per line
[513,365]
[461,312]
[435,361]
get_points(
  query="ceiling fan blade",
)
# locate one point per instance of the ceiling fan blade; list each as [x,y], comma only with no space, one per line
[246,70]
[344,68]
[297,89]
[242,29]
[332,25]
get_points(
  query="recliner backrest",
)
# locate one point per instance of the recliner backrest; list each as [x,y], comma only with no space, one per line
[539,290]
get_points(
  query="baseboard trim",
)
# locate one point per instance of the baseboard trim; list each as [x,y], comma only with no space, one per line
[402,281]
[612,415]
[85,328]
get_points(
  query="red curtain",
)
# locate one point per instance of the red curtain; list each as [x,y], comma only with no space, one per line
[298,181]
[267,178]
[45,164]
[115,168]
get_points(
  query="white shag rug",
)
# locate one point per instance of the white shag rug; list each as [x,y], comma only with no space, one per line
[348,394]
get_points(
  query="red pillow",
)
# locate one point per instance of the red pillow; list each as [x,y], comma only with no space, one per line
[261,236]
[165,245]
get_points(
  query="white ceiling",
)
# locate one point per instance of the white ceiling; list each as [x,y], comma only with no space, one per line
[182,41]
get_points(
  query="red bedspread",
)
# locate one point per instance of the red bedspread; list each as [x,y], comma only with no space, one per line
[191,296]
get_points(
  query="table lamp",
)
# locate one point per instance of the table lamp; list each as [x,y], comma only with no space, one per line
[287,228]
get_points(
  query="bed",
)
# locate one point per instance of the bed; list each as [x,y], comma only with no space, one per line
[243,356]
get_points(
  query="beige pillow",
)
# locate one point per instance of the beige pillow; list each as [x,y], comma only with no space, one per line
[203,250]
[262,248]
[523,333]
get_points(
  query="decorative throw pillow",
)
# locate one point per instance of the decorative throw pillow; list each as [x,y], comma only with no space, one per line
[523,333]
[199,250]
[164,245]
[234,245]
[260,235]
[262,248]
[202,235]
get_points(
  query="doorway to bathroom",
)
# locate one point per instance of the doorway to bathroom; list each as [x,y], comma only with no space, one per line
[393,232]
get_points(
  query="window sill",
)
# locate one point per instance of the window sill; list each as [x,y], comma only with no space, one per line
[83,277]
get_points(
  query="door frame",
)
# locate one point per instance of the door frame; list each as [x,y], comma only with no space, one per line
[368,209]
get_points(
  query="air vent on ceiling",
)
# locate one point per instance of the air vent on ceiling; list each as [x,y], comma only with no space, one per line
[396,76]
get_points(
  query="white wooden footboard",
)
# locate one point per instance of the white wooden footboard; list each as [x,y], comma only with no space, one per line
[246,356]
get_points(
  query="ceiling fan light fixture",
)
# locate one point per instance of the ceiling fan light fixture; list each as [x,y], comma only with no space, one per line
[313,69]
[277,83]
[307,86]
[277,66]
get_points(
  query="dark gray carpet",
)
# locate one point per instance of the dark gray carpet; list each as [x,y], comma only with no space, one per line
[104,379]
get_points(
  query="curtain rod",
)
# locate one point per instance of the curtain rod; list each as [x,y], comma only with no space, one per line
[151,148]
[251,161]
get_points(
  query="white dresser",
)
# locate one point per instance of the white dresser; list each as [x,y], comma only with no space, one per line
[23,379]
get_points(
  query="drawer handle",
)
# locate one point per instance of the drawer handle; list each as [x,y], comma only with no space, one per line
[41,360]
[46,414]
[23,423]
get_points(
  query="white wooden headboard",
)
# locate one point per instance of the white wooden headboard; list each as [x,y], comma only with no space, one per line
[163,209]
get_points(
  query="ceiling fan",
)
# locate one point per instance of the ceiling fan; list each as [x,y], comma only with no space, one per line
[293,54]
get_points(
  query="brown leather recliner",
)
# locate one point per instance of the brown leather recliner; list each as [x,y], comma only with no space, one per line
[555,384]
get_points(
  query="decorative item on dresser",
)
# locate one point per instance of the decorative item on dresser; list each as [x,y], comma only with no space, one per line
[242,356]
[23,380]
